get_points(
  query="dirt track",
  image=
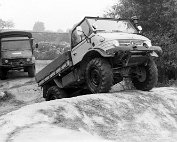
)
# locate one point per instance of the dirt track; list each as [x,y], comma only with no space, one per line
[20,89]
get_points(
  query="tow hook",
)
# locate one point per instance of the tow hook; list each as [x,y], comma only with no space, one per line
[154,54]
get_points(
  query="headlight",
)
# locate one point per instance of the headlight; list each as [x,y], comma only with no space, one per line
[115,42]
[109,44]
[28,59]
[147,43]
[6,61]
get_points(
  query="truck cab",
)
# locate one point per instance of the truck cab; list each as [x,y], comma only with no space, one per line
[106,36]
[16,53]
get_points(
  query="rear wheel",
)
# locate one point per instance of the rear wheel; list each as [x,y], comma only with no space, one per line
[99,76]
[3,74]
[145,77]
[55,92]
[31,71]
[25,69]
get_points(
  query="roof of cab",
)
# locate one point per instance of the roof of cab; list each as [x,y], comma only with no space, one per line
[90,17]
[15,34]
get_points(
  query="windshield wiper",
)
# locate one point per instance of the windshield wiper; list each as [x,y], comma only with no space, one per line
[116,31]
[99,30]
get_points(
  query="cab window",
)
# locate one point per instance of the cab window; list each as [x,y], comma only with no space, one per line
[75,38]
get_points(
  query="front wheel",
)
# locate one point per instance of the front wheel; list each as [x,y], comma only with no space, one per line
[31,71]
[3,74]
[99,76]
[145,76]
[55,92]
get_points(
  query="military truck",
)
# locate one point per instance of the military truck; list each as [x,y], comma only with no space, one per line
[16,53]
[104,51]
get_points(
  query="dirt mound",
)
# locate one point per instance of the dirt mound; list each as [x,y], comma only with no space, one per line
[20,90]
[19,96]
[129,116]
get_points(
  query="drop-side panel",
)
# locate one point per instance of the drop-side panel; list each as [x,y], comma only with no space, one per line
[53,66]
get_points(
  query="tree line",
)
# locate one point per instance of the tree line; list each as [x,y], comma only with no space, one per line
[6,24]
[37,27]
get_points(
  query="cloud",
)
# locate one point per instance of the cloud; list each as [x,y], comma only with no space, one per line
[56,14]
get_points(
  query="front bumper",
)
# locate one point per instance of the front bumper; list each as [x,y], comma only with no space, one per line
[136,50]
[131,56]
[14,63]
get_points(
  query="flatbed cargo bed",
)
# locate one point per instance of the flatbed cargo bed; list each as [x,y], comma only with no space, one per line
[53,68]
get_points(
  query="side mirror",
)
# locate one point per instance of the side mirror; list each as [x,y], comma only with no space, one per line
[79,30]
[36,45]
[140,29]
[94,26]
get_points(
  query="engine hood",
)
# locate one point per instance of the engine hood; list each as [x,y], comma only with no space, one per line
[112,36]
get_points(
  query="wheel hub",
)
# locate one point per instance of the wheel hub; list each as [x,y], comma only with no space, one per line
[94,77]
[141,74]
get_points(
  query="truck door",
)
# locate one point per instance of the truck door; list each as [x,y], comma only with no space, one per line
[79,43]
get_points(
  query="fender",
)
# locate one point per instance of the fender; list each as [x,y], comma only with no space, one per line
[101,52]
[94,53]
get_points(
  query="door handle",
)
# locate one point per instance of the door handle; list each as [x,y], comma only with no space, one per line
[74,53]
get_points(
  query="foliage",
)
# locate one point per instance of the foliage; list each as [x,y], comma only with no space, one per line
[168,83]
[39,26]
[50,37]
[48,55]
[159,21]
[50,45]
[6,24]
[49,50]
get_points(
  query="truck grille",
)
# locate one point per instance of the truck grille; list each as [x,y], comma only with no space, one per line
[16,62]
[131,42]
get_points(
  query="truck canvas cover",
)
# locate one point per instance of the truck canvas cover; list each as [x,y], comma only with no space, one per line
[15,34]
[53,66]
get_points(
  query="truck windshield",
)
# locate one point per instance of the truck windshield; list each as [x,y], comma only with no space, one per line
[15,45]
[107,25]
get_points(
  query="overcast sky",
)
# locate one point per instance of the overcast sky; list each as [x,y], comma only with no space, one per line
[56,14]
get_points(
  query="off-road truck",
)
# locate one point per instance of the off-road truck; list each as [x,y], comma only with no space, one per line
[16,52]
[103,52]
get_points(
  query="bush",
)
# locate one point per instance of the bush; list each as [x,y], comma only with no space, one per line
[49,51]
[51,37]
[167,63]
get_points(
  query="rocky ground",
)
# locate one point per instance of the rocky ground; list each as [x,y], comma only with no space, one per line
[122,115]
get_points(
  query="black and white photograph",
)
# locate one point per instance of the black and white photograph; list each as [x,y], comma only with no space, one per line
[88,71]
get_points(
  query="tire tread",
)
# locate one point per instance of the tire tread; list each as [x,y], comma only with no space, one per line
[106,75]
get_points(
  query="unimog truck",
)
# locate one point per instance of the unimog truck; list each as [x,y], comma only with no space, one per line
[104,51]
[16,53]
